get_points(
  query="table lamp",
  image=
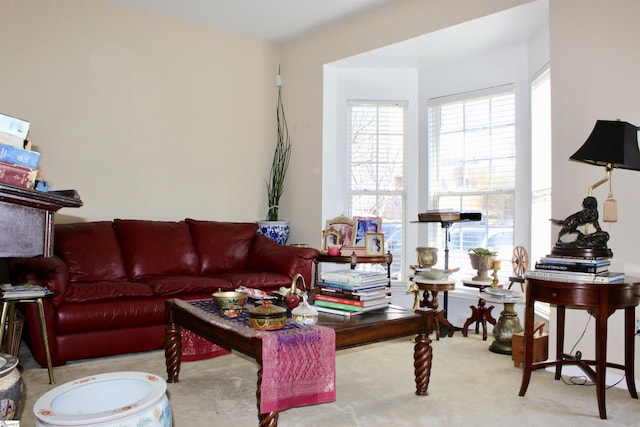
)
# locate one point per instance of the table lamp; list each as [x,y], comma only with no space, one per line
[612,144]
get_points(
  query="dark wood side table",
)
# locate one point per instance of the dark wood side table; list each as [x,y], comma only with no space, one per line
[26,229]
[26,219]
[600,300]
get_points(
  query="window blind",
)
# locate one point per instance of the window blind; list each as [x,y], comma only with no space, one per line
[471,167]
[376,159]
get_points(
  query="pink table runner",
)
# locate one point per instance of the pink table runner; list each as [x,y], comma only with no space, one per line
[195,348]
[298,363]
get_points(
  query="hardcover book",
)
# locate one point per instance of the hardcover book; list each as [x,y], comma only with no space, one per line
[23,291]
[17,175]
[348,307]
[14,126]
[13,131]
[353,277]
[577,268]
[18,156]
[575,260]
[568,276]
[347,313]
[338,311]
[353,295]
[11,140]
[367,303]
[352,287]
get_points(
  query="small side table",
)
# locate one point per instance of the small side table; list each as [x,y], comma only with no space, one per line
[480,314]
[432,287]
[600,301]
[8,318]
[508,322]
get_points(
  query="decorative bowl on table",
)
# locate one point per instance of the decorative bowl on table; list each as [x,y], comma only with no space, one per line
[434,273]
[267,317]
[230,298]
[231,311]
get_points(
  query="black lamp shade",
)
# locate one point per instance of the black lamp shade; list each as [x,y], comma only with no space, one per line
[611,142]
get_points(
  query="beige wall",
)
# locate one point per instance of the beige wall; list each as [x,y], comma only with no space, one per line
[595,58]
[146,117]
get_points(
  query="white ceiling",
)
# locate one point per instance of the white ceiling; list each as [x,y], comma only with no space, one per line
[282,20]
[270,20]
[506,28]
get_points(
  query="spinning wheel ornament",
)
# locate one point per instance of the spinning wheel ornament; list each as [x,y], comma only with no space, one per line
[519,261]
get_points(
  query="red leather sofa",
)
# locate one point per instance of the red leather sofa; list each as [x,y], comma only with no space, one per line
[111,279]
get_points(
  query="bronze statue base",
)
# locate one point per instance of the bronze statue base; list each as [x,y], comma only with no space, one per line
[582,252]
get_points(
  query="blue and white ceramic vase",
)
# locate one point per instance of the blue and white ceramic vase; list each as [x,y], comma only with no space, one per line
[278,231]
[10,387]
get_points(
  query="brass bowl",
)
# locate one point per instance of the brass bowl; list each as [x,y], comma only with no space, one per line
[227,298]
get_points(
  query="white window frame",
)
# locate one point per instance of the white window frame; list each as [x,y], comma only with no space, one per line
[489,225]
[396,245]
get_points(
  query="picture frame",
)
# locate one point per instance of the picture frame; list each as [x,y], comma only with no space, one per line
[329,238]
[366,224]
[374,244]
[343,225]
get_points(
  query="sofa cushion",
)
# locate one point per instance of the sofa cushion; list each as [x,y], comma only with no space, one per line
[156,248]
[90,317]
[262,280]
[90,250]
[182,285]
[99,291]
[222,246]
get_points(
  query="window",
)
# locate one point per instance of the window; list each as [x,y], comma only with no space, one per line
[376,154]
[541,161]
[471,168]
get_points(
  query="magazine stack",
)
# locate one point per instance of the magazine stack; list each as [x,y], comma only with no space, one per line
[575,269]
[352,292]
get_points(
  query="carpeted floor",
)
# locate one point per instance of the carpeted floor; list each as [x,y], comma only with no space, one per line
[470,386]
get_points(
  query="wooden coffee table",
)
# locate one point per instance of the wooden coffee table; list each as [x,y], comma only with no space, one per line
[368,328]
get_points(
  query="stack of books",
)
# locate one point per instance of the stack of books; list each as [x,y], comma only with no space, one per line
[18,166]
[575,269]
[27,290]
[352,292]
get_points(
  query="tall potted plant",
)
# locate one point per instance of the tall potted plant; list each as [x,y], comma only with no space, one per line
[273,227]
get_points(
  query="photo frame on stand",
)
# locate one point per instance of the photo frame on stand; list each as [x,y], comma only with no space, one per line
[343,225]
[366,224]
[330,238]
[374,244]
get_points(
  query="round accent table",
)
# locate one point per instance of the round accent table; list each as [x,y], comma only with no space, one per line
[430,290]
[508,323]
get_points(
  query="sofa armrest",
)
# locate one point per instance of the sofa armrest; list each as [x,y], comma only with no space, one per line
[269,256]
[50,272]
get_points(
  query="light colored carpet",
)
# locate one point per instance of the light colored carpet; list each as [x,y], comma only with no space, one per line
[469,386]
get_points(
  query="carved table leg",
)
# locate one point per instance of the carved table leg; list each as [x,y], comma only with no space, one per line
[475,316]
[422,357]
[480,315]
[269,419]
[172,352]
[440,319]
[487,317]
